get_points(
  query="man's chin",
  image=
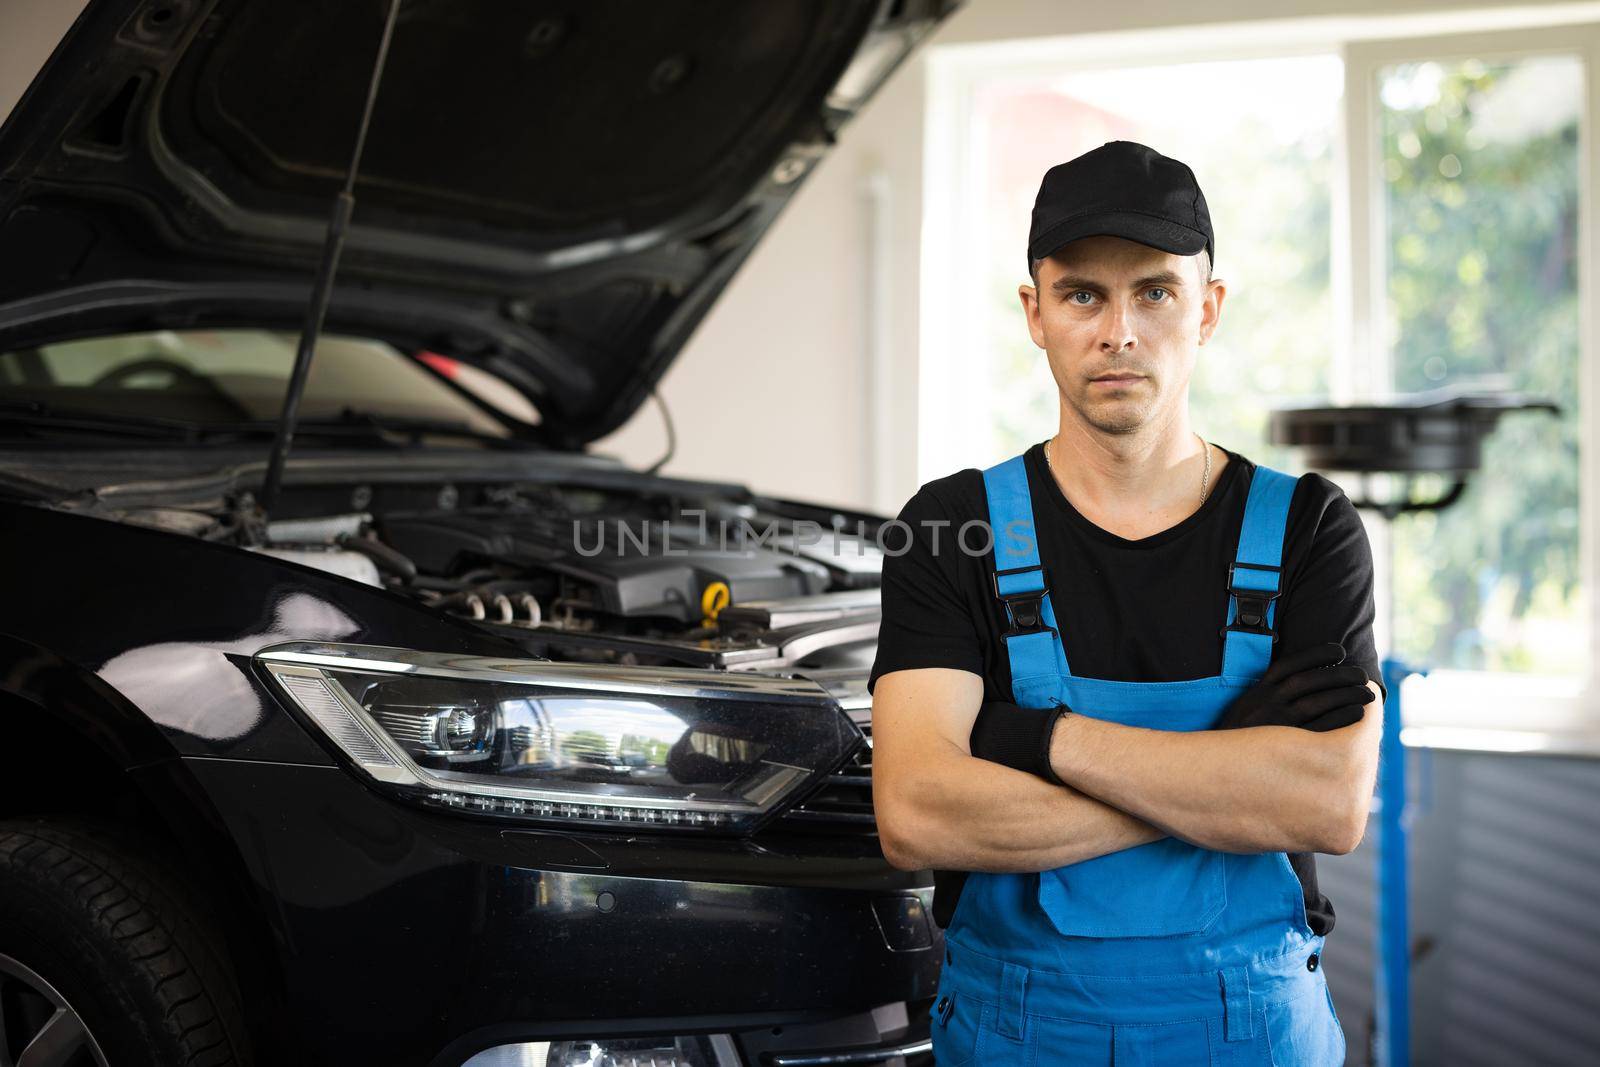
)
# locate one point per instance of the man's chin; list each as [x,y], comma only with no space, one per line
[1117,418]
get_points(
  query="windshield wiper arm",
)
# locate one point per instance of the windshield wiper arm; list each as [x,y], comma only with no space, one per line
[370,424]
[33,414]
[349,423]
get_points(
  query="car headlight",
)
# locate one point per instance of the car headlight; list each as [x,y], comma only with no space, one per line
[569,742]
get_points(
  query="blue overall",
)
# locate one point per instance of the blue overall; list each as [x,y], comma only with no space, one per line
[1165,953]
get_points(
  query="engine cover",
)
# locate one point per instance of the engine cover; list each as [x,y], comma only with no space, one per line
[631,568]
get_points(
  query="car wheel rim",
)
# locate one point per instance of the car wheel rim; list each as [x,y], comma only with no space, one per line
[38,1028]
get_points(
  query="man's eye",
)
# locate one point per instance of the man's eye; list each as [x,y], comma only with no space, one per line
[1160,294]
[1072,297]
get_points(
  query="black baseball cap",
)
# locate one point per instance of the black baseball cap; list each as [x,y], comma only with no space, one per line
[1121,189]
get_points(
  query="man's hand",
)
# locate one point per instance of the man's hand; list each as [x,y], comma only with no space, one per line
[1306,689]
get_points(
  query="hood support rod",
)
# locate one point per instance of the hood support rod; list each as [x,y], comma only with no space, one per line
[322,287]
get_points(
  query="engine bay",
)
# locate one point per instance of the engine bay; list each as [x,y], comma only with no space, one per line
[590,573]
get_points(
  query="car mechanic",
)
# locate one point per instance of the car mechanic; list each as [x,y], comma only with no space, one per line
[1118,731]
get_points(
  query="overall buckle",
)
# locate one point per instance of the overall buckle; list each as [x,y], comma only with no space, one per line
[1251,615]
[1024,610]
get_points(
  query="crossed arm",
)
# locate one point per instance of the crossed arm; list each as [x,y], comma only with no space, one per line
[1257,789]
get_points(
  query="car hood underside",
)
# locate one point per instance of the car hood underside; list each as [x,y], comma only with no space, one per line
[554,191]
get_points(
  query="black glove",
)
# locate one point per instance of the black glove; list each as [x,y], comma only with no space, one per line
[1306,690]
[1017,737]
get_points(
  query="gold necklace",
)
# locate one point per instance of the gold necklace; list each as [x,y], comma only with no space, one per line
[1205,478]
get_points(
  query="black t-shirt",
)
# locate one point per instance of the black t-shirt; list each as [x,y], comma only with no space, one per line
[1149,610]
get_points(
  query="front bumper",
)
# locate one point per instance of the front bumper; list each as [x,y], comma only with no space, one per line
[896,1044]
[405,936]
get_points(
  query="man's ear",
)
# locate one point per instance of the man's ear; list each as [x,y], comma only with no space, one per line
[1030,309]
[1211,308]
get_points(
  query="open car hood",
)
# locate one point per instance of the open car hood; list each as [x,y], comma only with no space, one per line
[554,191]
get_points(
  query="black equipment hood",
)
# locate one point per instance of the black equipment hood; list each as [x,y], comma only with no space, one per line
[554,191]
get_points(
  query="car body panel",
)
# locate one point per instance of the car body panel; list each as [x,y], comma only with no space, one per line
[176,621]
[445,926]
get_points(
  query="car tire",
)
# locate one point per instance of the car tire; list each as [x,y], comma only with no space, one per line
[101,931]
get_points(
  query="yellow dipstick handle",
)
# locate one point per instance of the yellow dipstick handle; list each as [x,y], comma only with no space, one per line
[714,599]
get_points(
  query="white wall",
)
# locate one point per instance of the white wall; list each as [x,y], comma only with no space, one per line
[29,29]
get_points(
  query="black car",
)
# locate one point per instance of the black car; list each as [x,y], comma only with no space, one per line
[459,743]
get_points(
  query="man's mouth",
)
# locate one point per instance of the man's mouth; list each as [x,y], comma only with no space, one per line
[1125,379]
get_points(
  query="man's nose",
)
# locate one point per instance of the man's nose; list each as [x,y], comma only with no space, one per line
[1118,331]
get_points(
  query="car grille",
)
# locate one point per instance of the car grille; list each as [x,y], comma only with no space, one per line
[844,799]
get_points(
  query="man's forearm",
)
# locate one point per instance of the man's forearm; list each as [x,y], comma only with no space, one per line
[1265,788]
[964,813]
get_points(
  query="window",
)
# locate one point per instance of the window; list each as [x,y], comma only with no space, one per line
[1480,169]
[1393,214]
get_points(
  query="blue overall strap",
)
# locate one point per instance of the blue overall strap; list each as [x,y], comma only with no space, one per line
[1253,577]
[1020,581]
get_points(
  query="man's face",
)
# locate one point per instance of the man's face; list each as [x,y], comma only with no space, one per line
[1121,324]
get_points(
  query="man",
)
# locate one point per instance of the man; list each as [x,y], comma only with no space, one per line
[1136,711]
